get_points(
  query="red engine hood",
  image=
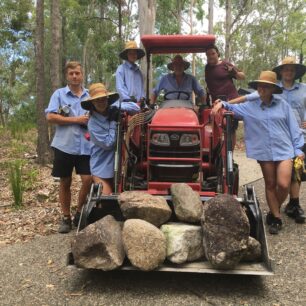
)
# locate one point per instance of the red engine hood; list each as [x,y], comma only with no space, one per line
[175,117]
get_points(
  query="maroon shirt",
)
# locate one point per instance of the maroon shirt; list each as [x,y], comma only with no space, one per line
[218,81]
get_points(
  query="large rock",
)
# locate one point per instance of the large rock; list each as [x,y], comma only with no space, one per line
[253,252]
[187,203]
[184,242]
[141,205]
[99,245]
[226,231]
[144,244]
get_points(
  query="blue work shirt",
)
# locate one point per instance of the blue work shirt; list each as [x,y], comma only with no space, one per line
[271,132]
[69,138]
[189,84]
[129,81]
[103,138]
[296,97]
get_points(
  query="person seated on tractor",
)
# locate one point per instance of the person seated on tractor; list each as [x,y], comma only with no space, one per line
[178,85]
[272,137]
[219,75]
[129,79]
[104,114]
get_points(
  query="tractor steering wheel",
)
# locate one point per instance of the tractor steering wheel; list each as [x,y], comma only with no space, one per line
[179,92]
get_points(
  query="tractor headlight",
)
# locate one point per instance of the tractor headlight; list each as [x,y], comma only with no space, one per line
[160,139]
[189,140]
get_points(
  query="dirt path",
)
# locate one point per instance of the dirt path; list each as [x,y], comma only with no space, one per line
[35,273]
[249,169]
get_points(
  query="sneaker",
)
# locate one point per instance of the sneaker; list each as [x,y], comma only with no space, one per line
[76,219]
[275,226]
[65,226]
[296,212]
[269,218]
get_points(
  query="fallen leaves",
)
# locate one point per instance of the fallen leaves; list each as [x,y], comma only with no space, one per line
[41,212]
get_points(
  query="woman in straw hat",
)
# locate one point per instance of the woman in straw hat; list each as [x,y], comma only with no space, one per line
[295,94]
[129,79]
[178,81]
[272,137]
[102,130]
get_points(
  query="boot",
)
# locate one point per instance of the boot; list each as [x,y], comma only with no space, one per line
[65,225]
[295,211]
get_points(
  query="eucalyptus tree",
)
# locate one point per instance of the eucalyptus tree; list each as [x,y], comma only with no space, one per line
[43,138]
[55,54]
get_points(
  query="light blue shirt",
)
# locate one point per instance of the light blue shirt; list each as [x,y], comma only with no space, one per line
[189,84]
[103,138]
[296,97]
[129,81]
[69,138]
[271,132]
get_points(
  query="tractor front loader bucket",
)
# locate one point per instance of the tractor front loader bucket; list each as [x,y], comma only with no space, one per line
[99,206]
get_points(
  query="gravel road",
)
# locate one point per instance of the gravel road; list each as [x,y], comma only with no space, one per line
[35,273]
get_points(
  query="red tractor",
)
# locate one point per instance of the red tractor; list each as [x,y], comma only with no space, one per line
[174,143]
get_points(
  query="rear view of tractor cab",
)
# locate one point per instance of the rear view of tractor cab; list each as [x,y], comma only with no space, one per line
[177,143]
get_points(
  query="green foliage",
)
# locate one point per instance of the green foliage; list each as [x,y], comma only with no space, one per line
[30,177]
[271,30]
[16,182]
[23,120]
[19,130]
[15,55]
[18,147]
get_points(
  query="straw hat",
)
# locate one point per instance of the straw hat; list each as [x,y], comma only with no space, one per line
[266,77]
[299,68]
[96,91]
[178,60]
[131,45]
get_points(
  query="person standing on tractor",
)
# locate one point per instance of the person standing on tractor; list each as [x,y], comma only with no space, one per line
[71,149]
[179,82]
[102,126]
[219,75]
[295,94]
[272,137]
[129,79]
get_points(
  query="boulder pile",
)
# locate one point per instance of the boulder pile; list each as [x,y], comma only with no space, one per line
[217,231]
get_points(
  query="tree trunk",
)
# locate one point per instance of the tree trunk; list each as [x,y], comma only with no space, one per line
[210,16]
[2,120]
[228,24]
[42,126]
[120,19]
[56,63]
[64,50]
[147,14]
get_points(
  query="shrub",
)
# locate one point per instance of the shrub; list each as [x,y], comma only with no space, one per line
[16,183]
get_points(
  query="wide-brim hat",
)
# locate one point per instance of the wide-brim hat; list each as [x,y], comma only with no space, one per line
[178,60]
[96,91]
[131,45]
[300,69]
[267,77]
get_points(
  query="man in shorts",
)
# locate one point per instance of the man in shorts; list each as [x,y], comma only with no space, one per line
[71,148]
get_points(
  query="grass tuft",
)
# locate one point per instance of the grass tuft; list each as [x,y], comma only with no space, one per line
[16,183]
